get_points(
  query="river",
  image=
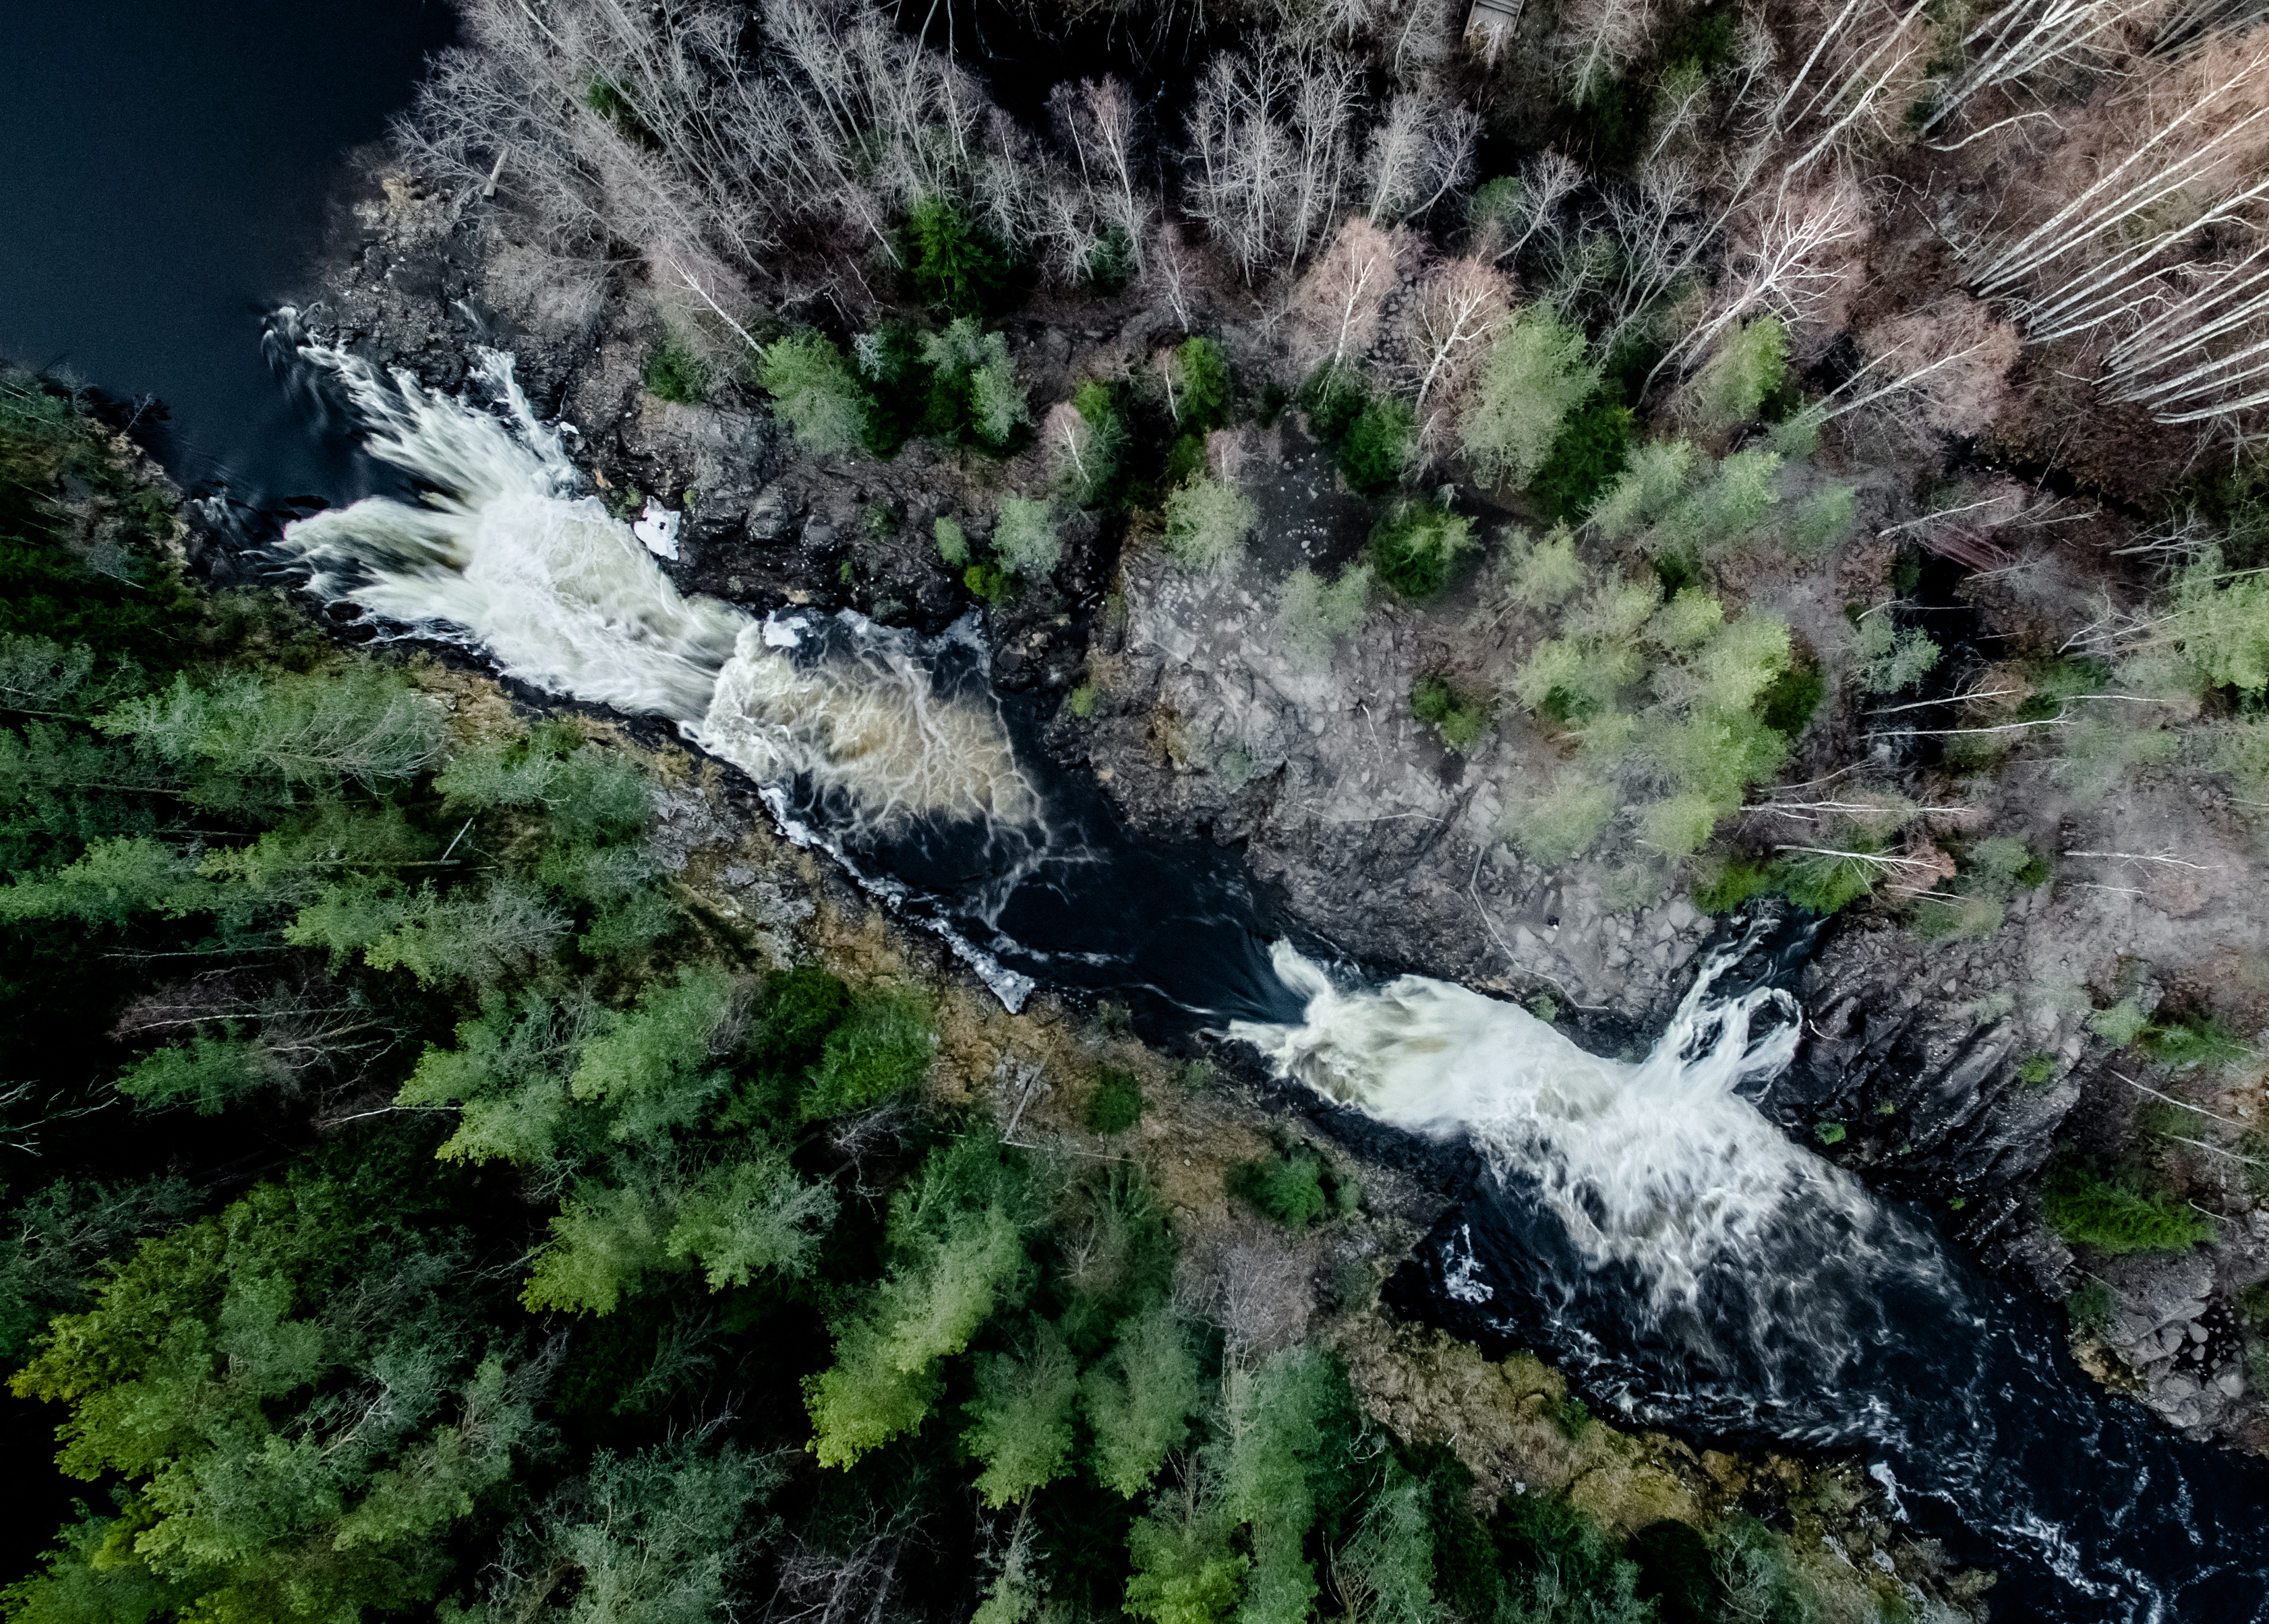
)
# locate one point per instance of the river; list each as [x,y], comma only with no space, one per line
[1642,1224]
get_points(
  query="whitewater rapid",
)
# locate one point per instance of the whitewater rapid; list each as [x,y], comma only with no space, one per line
[502,554]
[1660,1164]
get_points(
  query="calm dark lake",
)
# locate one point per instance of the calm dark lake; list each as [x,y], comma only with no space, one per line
[164,172]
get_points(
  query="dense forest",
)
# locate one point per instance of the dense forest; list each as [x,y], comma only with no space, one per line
[460,1163]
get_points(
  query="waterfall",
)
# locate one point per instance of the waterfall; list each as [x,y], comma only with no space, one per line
[1748,1247]
[503,556]
[1660,1164]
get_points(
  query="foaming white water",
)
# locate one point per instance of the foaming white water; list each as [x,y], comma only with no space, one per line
[1659,1164]
[503,556]
[868,722]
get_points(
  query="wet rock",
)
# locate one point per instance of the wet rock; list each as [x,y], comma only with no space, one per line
[772,514]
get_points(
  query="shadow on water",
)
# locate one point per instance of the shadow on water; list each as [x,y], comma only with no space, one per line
[1077,900]
[167,169]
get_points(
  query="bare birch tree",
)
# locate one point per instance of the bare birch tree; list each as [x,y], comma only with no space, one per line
[1419,154]
[1597,39]
[1793,255]
[1097,122]
[1271,148]
[1459,307]
[1338,303]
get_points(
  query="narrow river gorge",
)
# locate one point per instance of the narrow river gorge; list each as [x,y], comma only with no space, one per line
[1642,1224]
[1648,1203]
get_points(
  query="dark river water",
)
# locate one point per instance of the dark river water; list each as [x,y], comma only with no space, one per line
[166,173]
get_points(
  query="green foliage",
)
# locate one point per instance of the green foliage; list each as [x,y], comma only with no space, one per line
[209,1073]
[1116,1104]
[1957,919]
[1294,1188]
[54,1240]
[249,740]
[508,1078]
[2036,1071]
[1584,459]
[815,390]
[1204,402]
[655,1064]
[1025,537]
[1738,498]
[1139,1399]
[1313,615]
[300,1396]
[1332,398]
[1020,1423]
[1413,548]
[1378,445]
[1540,575]
[1893,657]
[883,1048]
[1207,523]
[1083,701]
[1561,1569]
[1563,823]
[2103,752]
[1185,1568]
[956,1240]
[974,397]
[1286,1436]
[2116,1214]
[1495,202]
[2202,1040]
[1390,1556]
[1790,699]
[651,1537]
[1653,479]
[2090,1307]
[1111,267]
[958,266]
[952,541]
[481,936]
[1823,522]
[81,1586]
[2122,1023]
[1748,365]
[1463,720]
[1826,881]
[1088,444]
[1828,1132]
[2007,860]
[1535,376]
[1726,884]
[674,372]
[990,582]
[1185,461]
[2220,624]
